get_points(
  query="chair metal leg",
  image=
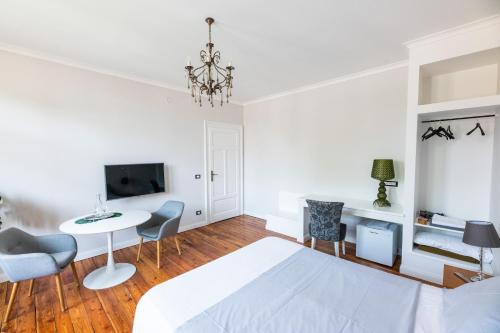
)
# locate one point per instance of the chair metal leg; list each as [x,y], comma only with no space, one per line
[32,283]
[11,301]
[75,274]
[158,253]
[313,242]
[60,292]
[140,247]
[178,245]
[336,245]
[343,247]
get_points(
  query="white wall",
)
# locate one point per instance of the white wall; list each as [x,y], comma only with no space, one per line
[60,125]
[323,141]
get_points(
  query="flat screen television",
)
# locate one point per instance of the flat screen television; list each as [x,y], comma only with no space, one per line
[130,180]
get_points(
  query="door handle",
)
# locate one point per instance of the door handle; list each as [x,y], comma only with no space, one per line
[212,174]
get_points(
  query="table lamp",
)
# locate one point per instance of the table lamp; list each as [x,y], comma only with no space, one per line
[481,234]
[382,170]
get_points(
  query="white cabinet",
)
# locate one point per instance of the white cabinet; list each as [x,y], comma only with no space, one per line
[377,241]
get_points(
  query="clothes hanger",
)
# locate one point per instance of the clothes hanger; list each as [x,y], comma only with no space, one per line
[429,130]
[478,125]
[441,131]
[430,134]
[450,133]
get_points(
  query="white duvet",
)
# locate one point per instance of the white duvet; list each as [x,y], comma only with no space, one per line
[172,303]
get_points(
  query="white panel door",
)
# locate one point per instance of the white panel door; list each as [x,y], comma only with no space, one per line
[224,171]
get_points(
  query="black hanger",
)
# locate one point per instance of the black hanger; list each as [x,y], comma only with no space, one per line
[440,131]
[478,125]
[450,133]
[430,130]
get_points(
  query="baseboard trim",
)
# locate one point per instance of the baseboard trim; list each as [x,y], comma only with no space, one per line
[117,246]
[104,249]
[191,226]
[129,242]
[254,214]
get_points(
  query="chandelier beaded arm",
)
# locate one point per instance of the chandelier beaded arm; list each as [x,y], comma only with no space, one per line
[210,79]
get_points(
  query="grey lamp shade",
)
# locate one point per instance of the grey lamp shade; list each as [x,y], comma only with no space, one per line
[481,234]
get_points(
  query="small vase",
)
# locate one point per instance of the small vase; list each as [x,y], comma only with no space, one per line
[99,207]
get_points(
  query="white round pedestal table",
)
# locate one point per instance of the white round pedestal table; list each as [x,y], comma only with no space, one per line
[113,273]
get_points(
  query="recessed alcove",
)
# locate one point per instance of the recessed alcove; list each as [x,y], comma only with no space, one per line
[465,77]
[455,175]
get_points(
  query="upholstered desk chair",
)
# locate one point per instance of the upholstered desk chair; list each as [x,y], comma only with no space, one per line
[27,257]
[163,223]
[325,223]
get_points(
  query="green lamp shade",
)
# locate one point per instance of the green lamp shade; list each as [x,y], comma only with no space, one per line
[383,170]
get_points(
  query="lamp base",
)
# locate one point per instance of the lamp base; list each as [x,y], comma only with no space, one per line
[480,275]
[381,196]
[476,278]
[381,203]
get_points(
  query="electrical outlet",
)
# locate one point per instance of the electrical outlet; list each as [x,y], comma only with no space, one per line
[197,176]
[198,212]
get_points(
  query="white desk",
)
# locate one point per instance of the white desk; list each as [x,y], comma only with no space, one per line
[112,274]
[355,207]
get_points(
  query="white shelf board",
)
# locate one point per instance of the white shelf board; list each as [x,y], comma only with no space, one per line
[433,227]
[477,105]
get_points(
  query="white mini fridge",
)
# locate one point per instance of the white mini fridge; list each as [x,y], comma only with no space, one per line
[377,241]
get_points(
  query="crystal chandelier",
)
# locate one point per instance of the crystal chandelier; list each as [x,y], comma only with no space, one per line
[210,78]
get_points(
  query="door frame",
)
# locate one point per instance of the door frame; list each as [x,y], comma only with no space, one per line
[214,124]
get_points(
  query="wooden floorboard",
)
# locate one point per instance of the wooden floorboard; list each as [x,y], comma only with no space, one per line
[112,310]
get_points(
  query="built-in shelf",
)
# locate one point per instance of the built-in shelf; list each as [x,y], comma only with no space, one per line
[452,261]
[454,75]
[477,105]
[434,227]
[464,77]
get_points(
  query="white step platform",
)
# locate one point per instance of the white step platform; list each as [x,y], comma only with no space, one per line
[286,223]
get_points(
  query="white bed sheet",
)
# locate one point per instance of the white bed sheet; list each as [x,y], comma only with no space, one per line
[170,304]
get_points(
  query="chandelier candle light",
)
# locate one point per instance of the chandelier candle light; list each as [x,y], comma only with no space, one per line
[210,78]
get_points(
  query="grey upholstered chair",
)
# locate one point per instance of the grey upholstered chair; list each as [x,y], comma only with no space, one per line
[325,223]
[163,223]
[27,257]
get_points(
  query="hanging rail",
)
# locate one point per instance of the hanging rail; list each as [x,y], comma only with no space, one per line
[459,118]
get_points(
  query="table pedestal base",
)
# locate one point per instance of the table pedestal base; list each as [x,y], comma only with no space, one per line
[101,278]
[110,275]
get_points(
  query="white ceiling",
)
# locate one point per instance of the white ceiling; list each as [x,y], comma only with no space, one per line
[274,45]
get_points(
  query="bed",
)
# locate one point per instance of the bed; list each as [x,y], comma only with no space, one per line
[274,285]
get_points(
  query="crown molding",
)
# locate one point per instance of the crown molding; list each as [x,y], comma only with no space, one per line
[80,65]
[340,79]
[458,30]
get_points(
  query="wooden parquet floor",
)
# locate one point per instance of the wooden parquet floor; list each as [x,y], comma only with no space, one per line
[112,310]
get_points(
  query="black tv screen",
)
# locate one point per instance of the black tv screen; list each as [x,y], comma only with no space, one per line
[129,180]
